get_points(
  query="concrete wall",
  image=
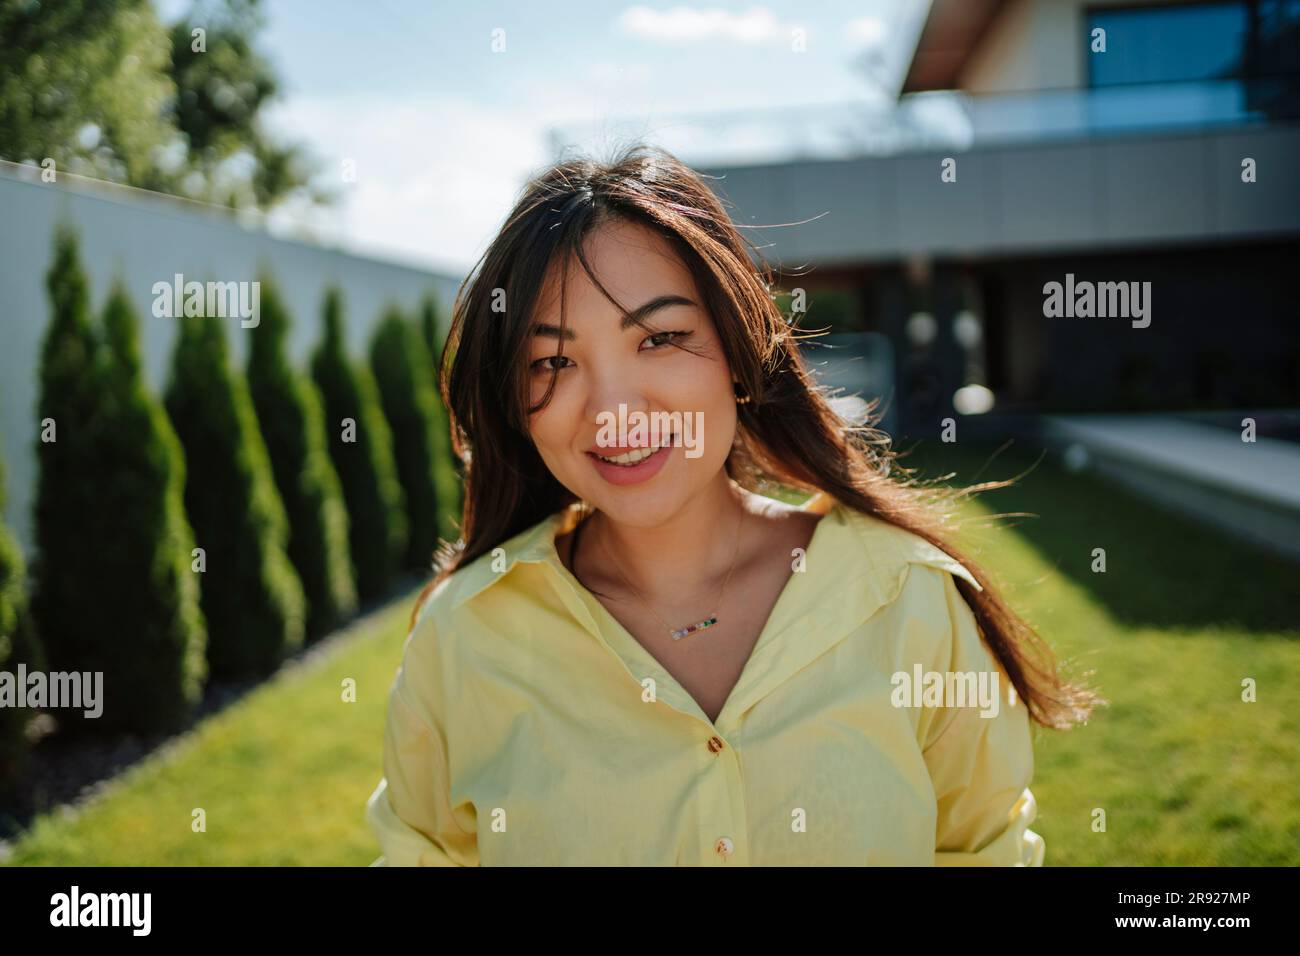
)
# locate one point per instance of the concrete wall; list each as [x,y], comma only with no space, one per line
[142,240]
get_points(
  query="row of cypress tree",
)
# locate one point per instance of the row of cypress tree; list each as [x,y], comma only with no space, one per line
[209,535]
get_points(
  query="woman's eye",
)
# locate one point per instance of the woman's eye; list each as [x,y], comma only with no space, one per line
[660,339]
[541,364]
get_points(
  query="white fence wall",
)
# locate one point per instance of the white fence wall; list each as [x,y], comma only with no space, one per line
[141,240]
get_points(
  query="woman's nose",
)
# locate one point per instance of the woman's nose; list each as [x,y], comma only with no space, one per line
[615,394]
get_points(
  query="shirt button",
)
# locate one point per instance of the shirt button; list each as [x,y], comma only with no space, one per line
[724,846]
[715,745]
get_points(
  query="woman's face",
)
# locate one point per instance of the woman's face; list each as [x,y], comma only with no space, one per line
[682,398]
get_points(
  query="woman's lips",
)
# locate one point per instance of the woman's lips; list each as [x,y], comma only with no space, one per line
[643,470]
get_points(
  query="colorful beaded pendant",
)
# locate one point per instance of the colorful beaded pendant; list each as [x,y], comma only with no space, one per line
[692,628]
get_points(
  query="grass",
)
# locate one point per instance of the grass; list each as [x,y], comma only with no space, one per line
[1186,772]
[282,775]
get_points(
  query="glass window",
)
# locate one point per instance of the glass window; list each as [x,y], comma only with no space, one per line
[1168,44]
[1279,38]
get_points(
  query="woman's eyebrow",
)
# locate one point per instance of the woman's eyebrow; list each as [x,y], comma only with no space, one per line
[635,317]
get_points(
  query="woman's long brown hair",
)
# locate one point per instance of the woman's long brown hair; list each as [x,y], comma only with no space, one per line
[788,434]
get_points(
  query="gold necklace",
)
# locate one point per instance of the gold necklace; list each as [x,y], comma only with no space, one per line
[677,633]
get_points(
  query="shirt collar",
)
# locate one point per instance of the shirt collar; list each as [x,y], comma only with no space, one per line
[531,546]
[537,545]
[893,548]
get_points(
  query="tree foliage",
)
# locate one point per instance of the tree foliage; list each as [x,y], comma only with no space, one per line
[113,592]
[361,446]
[293,426]
[106,90]
[252,598]
[400,361]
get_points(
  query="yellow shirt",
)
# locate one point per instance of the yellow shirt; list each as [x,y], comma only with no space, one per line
[526,726]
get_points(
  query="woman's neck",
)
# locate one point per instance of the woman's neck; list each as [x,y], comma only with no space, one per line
[690,552]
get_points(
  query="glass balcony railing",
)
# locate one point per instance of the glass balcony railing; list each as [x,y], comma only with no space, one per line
[922,122]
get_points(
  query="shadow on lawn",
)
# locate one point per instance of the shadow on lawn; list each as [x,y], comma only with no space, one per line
[1162,569]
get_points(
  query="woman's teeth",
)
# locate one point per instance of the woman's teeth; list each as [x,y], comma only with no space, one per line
[630,457]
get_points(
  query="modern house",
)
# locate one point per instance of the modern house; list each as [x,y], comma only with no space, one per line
[1060,221]
[1115,148]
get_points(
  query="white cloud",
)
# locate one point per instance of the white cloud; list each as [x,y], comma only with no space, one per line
[435,176]
[610,73]
[869,31]
[692,24]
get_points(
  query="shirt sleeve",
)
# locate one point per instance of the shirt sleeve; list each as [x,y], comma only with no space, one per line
[981,765]
[410,811]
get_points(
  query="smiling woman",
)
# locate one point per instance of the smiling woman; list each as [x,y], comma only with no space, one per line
[620,616]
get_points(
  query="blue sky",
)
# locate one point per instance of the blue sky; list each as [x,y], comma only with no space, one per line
[442,131]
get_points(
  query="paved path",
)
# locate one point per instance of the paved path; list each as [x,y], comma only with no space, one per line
[1249,489]
[1266,469]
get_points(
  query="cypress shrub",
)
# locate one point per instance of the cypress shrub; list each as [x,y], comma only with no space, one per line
[446,467]
[111,532]
[431,330]
[251,595]
[293,427]
[399,361]
[67,606]
[18,645]
[152,651]
[361,447]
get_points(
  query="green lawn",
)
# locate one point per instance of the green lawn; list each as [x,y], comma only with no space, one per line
[1187,773]
[283,774]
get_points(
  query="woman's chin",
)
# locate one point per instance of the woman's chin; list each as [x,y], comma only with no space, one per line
[640,508]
